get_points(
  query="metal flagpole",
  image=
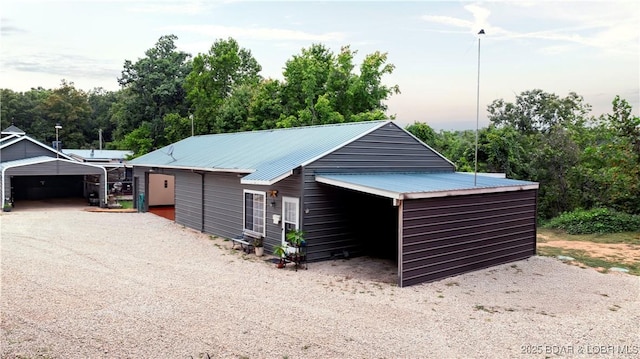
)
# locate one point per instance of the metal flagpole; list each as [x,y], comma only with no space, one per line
[475,173]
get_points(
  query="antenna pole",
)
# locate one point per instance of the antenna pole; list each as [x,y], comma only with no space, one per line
[475,173]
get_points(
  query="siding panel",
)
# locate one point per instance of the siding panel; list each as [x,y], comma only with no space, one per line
[453,235]
[188,197]
[333,224]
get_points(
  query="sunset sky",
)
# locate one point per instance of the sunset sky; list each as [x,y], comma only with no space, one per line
[587,47]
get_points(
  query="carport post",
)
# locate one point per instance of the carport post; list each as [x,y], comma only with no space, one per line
[58,127]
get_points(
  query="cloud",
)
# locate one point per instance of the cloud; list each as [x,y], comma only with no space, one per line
[171,7]
[60,64]
[609,28]
[7,30]
[258,33]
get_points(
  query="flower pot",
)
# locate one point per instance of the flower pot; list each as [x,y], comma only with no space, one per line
[259,251]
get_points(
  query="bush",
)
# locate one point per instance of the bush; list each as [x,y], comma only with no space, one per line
[598,220]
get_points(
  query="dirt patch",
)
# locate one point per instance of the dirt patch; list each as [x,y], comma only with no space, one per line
[618,252]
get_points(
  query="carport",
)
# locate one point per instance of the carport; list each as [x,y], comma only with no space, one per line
[45,177]
[447,223]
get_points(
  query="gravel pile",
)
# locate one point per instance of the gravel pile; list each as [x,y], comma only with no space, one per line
[77,284]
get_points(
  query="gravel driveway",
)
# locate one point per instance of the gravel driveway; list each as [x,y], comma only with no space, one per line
[77,284]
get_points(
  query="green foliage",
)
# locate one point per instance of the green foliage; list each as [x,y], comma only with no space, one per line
[139,140]
[295,237]
[598,220]
[321,87]
[214,79]
[153,88]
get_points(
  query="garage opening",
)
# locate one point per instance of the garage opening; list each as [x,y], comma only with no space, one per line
[47,187]
[375,224]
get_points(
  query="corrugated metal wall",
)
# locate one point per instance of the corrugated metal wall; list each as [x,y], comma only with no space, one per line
[221,212]
[446,236]
[329,224]
[188,199]
[24,149]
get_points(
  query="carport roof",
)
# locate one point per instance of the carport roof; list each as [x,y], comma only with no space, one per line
[423,185]
[42,159]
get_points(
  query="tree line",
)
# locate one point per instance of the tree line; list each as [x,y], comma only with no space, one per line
[580,161]
[168,95]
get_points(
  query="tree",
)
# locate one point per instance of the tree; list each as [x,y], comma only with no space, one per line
[538,111]
[214,78]
[153,87]
[99,122]
[24,110]
[423,132]
[70,108]
[321,88]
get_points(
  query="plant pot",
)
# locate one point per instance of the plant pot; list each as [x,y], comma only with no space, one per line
[280,264]
[6,209]
[259,251]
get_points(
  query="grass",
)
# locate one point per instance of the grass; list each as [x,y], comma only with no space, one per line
[583,257]
[609,238]
[126,204]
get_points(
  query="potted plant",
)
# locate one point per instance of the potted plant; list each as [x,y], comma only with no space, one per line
[6,207]
[296,252]
[258,246]
[280,251]
[296,237]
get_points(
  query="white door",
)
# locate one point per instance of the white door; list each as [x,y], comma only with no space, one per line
[290,215]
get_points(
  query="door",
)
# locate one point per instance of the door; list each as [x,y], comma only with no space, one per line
[290,215]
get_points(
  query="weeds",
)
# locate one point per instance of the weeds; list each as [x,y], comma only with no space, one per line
[581,256]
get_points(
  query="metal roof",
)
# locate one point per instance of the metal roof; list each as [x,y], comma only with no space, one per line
[423,184]
[13,129]
[95,155]
[6,144]
[267,155]
[42,159]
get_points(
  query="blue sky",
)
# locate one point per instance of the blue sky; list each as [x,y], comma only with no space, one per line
[588,47]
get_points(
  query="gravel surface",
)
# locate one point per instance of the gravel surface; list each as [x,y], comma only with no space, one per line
[77,284]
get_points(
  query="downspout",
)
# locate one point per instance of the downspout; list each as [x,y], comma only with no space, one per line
[202,202]
[3,174]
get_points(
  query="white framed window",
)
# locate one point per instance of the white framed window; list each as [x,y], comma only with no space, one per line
[254,211]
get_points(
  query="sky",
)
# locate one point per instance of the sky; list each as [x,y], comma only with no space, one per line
[446,72]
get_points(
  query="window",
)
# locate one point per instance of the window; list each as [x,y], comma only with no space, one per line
[254,211]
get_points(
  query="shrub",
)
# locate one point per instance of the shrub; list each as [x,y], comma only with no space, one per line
[598,220]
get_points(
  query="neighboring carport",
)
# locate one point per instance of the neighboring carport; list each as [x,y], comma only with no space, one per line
[450,223]
[45,177]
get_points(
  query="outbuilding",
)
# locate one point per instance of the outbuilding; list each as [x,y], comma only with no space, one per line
[364,188]
[32,170]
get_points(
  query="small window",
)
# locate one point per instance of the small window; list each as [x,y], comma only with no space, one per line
[254,211]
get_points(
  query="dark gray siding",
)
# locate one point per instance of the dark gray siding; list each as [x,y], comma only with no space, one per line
[223,205]
[388,149]
[24,149]
[447,236]
[330,224]
[189,199]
